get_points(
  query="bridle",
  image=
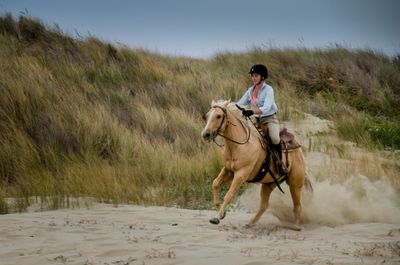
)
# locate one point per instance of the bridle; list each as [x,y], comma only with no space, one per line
[229,122]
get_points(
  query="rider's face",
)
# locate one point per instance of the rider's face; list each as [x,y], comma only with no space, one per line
[255,78]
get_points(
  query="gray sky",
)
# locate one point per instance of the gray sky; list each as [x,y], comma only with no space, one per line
[200,28]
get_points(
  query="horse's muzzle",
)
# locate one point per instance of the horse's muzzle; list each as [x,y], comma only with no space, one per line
[209,136]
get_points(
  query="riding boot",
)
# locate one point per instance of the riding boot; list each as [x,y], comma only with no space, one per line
[279,164]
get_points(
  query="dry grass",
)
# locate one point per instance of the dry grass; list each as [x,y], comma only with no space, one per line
[79,117]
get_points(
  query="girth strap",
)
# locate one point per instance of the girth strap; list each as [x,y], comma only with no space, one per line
[266,167]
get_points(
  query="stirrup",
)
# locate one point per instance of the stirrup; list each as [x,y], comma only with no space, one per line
[281,169]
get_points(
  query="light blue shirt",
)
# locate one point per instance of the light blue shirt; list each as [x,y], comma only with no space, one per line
[266,102]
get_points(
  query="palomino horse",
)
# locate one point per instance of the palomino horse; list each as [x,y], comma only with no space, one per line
[243,157]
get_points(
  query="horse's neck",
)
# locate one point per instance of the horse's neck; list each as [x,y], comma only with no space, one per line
[235,130]
[234,127]
[251,150]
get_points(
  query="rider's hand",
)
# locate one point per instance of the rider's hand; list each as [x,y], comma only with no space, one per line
[247,112]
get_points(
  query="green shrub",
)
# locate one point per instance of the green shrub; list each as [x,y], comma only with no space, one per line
[384,132]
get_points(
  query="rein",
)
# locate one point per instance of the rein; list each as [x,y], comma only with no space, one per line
[223,136]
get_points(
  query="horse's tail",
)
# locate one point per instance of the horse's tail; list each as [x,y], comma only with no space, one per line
[308,184]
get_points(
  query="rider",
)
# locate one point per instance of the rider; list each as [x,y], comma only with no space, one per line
[259,101]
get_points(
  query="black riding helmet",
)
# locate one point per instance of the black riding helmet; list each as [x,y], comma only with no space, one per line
[259,69]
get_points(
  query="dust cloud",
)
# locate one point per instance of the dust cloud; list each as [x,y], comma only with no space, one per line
[356,200]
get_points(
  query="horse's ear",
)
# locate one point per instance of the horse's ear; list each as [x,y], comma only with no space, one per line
[213,102]
[204,116]
[226,102]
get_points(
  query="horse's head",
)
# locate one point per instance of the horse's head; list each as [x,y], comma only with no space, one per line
[216,120]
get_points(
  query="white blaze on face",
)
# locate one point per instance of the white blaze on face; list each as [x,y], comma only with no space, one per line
[206,130]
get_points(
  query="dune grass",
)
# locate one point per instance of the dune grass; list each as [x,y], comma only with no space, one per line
[80,117]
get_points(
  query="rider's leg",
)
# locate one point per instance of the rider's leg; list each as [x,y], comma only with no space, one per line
[273,130]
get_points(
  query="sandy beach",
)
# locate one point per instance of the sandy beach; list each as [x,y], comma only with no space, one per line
[129,234]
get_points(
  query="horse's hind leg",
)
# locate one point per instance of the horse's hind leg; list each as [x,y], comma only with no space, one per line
[265,192]
[295,191]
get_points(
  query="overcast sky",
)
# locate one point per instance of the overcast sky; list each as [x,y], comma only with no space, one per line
[200,28]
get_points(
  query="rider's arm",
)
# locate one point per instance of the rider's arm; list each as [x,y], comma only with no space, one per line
[268,106]
[245,99]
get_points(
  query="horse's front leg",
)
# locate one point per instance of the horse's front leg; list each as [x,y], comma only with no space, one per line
[237,182]
[223,176]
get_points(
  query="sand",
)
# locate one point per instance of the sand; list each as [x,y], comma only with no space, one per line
[349,219]
[130,234]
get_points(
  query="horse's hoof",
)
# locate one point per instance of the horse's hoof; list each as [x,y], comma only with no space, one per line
[248,226]
[214,221]
[297,228]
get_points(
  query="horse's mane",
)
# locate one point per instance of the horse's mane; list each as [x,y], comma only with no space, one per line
[231,107]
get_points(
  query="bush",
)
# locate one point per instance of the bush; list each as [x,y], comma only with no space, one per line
[384,132]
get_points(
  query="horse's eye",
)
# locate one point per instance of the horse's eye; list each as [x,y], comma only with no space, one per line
[219,117]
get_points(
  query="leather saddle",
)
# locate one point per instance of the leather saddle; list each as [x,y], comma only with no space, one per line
[288,142]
